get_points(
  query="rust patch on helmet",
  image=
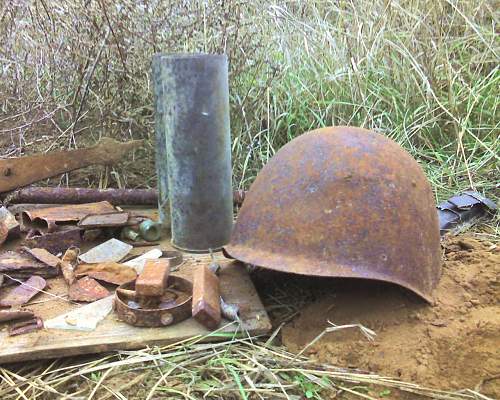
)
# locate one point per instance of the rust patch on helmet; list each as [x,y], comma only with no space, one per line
[342,202]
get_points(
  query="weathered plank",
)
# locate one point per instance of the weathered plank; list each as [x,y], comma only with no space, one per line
[111,334]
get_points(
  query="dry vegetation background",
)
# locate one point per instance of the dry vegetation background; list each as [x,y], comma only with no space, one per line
[423,72]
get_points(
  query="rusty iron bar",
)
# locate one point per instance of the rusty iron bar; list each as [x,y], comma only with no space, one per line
[22,171]
[206,297]
[63,195]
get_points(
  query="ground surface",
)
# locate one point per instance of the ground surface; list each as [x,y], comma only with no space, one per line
[452,345]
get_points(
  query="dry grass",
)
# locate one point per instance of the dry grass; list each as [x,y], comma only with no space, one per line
[423,72]
[238,367]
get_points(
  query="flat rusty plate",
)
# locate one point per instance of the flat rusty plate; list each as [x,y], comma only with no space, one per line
[111,272]
[24,292]
[54,242]
[88,290]
[43,256]
[113,219]
[23,266]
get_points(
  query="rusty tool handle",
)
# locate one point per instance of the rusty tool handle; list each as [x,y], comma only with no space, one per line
[21,171]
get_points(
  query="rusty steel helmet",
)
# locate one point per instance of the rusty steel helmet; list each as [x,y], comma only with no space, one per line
[342,202]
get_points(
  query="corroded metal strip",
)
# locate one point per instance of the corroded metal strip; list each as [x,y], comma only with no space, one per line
[64,195]
[21,171]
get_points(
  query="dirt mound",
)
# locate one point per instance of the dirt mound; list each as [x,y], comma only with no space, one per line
[451,345]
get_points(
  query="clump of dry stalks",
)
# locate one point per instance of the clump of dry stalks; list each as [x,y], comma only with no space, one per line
[422,72]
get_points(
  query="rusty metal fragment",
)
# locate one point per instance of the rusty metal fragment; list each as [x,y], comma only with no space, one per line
[21,171]
[110,272]
[112,250]
[55,242]
[12,315]
[91,235]
[22,266]
[63,195]
[43,256]
[229,311]
[68,263]
[87,289]
[8,220]
[51,216]
[112,219]
[22,327]
[206,297]
[4,232]
[24,292]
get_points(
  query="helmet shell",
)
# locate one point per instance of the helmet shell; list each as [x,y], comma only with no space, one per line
[342,202]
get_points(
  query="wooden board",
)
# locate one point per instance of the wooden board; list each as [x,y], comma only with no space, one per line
[112,334]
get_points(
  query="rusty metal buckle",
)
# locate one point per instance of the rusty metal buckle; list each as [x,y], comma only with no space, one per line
[173,306]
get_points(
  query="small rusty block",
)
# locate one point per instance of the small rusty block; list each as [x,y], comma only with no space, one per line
[206,297]
[153,279]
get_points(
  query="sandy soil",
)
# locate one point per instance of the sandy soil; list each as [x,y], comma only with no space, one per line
[453,344]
